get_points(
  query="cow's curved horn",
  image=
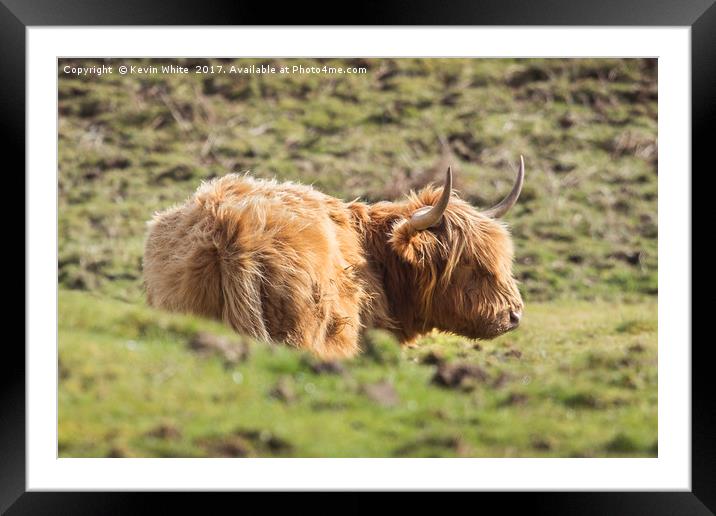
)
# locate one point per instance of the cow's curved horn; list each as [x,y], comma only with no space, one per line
[429,216]
[508,202]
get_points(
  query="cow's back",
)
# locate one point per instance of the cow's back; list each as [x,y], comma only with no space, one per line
[276,261]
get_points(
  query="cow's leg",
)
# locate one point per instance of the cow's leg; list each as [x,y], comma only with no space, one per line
[342,334]
[329,324]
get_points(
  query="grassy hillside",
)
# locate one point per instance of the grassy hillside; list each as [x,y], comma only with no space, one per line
[578,379]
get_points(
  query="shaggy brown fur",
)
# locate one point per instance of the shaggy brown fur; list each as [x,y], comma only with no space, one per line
[283,262]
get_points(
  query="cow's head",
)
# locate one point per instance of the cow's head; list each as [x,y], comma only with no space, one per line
[461,260]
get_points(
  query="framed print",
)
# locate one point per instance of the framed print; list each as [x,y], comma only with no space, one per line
[454,256]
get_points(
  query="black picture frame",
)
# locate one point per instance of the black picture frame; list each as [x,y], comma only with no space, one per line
[17,15]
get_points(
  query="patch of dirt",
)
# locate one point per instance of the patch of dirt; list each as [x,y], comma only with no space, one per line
[329,405]
[284,390]
[622,443]
[501,379]
[164,431]
[567,120]
[325,366]
[526,75]
[245,443]
[230,446]
[463,448]
[432,358]
[176,173]
[441,415]
[119,451]
[636,348]
[420,447]
[582,400]
[383,393]
[231,351]
[512,353]
[632,257]
[541,443]
[63,371]
[461,375]
[626,362]
[515,398]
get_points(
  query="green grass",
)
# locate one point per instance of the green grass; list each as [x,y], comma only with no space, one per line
[577,379]
[570,383]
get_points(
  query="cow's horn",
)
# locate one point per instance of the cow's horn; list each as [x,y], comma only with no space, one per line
[508,202]
[428,216]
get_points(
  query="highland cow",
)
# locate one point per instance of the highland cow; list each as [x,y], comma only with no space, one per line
[283,262]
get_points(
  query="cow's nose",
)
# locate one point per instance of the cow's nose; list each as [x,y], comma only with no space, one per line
[515,318]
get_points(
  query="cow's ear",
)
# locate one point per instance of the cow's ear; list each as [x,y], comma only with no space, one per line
[417,247]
